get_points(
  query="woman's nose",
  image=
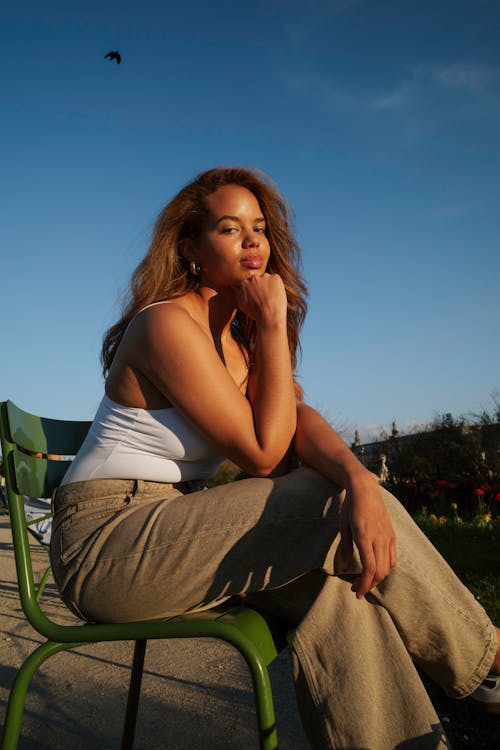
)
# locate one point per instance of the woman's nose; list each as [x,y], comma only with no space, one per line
[251,239]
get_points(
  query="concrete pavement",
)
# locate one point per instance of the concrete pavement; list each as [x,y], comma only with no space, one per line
[195,694]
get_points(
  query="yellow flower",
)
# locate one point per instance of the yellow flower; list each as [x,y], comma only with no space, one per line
[459,520]
[486,518]
[453,506]
[433,518]
[442,519]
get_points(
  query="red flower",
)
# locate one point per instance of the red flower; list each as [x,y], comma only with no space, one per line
[497,496]
[478,491]
[487,487]
[433,493]
[453,485]
[441,482]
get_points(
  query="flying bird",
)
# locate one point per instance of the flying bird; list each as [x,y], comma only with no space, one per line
[114,55]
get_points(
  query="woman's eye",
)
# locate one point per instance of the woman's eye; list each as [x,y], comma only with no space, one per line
[260,229]
[229,230]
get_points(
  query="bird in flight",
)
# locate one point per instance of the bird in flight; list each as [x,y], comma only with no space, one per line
[114,55]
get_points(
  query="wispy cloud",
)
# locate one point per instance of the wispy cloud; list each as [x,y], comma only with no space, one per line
[314,15]
[398,99]
[322,90]
[326,92]
[471,77]
[453,210]
[459,88]
[473,81]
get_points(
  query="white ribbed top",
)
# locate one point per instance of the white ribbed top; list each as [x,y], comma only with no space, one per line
[157,445]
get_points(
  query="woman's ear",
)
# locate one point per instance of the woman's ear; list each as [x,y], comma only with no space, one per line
[187,249]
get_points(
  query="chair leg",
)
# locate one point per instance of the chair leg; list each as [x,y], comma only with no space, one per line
[41,585]
[134,693]
[264,706]
[17,697]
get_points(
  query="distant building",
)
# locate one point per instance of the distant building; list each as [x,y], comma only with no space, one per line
[381,456]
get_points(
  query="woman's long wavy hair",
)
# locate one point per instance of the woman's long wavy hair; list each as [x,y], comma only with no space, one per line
[164,273]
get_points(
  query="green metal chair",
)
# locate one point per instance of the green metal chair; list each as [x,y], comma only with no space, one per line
[46,574]
[255,637]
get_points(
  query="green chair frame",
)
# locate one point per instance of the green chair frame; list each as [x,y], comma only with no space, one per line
[254,635]
[46,574]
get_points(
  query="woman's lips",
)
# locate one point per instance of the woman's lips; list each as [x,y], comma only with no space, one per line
[252,261]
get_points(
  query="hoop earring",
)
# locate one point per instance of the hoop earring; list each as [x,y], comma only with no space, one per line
[195,268]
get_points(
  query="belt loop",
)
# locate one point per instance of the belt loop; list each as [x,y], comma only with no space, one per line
[132,490]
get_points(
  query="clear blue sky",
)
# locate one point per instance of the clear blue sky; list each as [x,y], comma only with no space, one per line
[378,119]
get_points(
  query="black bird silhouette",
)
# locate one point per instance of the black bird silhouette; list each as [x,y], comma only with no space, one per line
[114,55]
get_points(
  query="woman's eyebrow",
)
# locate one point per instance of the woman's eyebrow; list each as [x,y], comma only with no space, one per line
[258,220]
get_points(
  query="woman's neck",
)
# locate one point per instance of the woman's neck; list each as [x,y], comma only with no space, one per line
[219,308]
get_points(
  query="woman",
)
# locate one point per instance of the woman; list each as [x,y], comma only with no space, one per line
[201,367]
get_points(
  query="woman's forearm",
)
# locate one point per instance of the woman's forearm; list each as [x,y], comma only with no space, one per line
[364,519]
[319,446]
[272,395]
[270,387]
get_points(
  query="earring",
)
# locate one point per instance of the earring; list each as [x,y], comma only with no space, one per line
[195,268]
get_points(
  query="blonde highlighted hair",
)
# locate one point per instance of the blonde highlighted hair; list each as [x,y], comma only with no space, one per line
[164,273]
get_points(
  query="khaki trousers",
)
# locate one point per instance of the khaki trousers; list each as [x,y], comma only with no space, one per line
[129,550]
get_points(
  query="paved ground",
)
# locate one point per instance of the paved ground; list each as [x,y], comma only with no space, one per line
[196,694]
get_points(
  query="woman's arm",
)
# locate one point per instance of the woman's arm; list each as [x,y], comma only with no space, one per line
[168,347]
[364,519]
[270,389]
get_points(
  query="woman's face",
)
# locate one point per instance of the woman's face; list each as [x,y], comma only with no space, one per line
[233,244]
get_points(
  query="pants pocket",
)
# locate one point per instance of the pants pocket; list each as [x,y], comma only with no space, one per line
[79,529]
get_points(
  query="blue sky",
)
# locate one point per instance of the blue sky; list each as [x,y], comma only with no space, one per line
[380,122]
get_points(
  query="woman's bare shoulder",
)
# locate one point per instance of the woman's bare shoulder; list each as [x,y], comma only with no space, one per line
[165,315]
[164,330]
[164,308]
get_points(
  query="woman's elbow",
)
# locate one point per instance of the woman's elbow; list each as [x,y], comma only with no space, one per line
[266,467]
[260,470]
[263,472]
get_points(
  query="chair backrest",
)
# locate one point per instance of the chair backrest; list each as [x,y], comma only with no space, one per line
[26,441]
[28,436]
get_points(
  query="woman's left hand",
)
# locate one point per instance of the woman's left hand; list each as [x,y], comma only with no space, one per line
[364,519]
[365,522]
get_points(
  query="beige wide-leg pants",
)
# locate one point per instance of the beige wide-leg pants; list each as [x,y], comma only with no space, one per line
[126,550]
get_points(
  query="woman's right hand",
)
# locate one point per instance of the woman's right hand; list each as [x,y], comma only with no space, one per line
[263,298]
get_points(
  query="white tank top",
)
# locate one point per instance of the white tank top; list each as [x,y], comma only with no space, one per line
[158,445]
